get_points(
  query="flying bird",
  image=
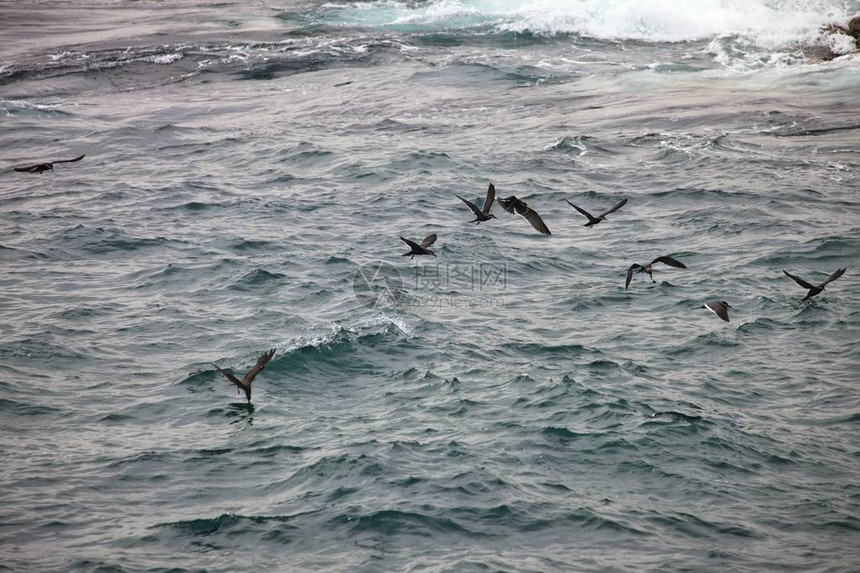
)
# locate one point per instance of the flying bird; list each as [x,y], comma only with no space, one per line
[49,166]
[421,249]
[814,290]
[512,204]
[718,307]
[646,268]
[595,220]
[482,214]
[245,382]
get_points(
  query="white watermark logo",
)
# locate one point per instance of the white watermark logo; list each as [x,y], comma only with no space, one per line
[379,284]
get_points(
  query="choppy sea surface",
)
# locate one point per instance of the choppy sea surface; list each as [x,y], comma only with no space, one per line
[504,406]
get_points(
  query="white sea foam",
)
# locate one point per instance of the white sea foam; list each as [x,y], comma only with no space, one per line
[766,23]
[324,334]
[165,58]
[61,56]
[382,322]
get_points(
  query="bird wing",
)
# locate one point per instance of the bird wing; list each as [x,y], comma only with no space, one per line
[78,158]
[618,206]
[798,280]
[261,363]
[29,168]
[428,240]
[669,261]
[632,268]
[488,202]
[412,244]
[470,205]
[833,277]
[581,210]
[508,203]
[532,217]
[719,309]
[228,376]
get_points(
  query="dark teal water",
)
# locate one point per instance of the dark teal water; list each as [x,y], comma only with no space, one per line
[504,406]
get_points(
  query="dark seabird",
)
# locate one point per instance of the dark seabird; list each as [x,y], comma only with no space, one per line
[245,383]
[421,249]
[40,167]
[718,307]
[512,204]
[482,214]
[646,268]
[595,220]
[814,290]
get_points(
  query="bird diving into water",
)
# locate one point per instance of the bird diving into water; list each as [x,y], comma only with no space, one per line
[484,214]
[814,290]
[646,268]
[48,166]
[718,307]
[245,382]
[416,249]
[595,220]
[512,204]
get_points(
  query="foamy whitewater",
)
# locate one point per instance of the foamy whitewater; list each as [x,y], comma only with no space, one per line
[506,405]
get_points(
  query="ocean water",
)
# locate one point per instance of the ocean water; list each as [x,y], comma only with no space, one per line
[504,406]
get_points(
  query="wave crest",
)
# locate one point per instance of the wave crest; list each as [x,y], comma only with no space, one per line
[768,23]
